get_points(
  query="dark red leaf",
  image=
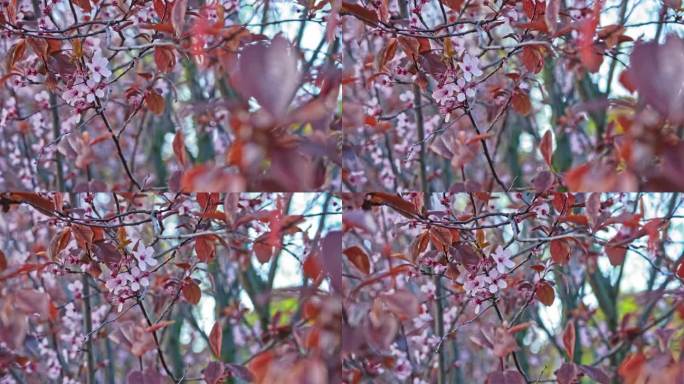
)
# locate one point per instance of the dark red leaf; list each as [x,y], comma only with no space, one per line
[394,201]
[192,292]
[567,374]
[263,250]
[312,266]
[216,338]
[560,251]
[569,339]
[154,101]
[359,258]
[590,54]
[213,373]
[545,293]
[208,178]
[362,13]
[543,181]
[654,70]
[546,147]
[84,4]
[205,248]
[164,58]
[107,253]
[521,103]
[532,58]
[270,73]
[616,253]
[179,148]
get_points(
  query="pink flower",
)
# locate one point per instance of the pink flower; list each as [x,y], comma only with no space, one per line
[98,68]
[503,259]
[463,90]
[43,99]
[93,90]
[138,279]
[145,256]
[72,96]
[77,288]
[444,93]
[495,281]
[474,284]
[402,370]
[429,289]
[540,210]
[470,66]
[116,283]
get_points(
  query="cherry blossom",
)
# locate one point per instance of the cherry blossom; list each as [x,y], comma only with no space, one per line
[138,279]
[99,68]
[444,93]
[470,66]
[145,257]
[502,257]
[489,305]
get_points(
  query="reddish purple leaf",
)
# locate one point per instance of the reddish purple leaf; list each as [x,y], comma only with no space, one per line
[269,72]
[656,70]
[332,258]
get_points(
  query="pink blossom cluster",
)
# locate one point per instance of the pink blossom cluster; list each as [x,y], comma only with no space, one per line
[487,277]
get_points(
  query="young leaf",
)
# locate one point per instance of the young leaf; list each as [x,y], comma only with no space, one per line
[546,147]
[616,254]
[560,251]
[590,54]
[680,270]
[179,148]
[192,292]
[269,72]
[567,374]
[393,201]
[569,339]
[364,14]
[419,245]
[263,250]
[359,258]
[215,339]
[521,103]
[312,266]
[214,372]
[165,59]
[205,248]
[545,293]
[154,102]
